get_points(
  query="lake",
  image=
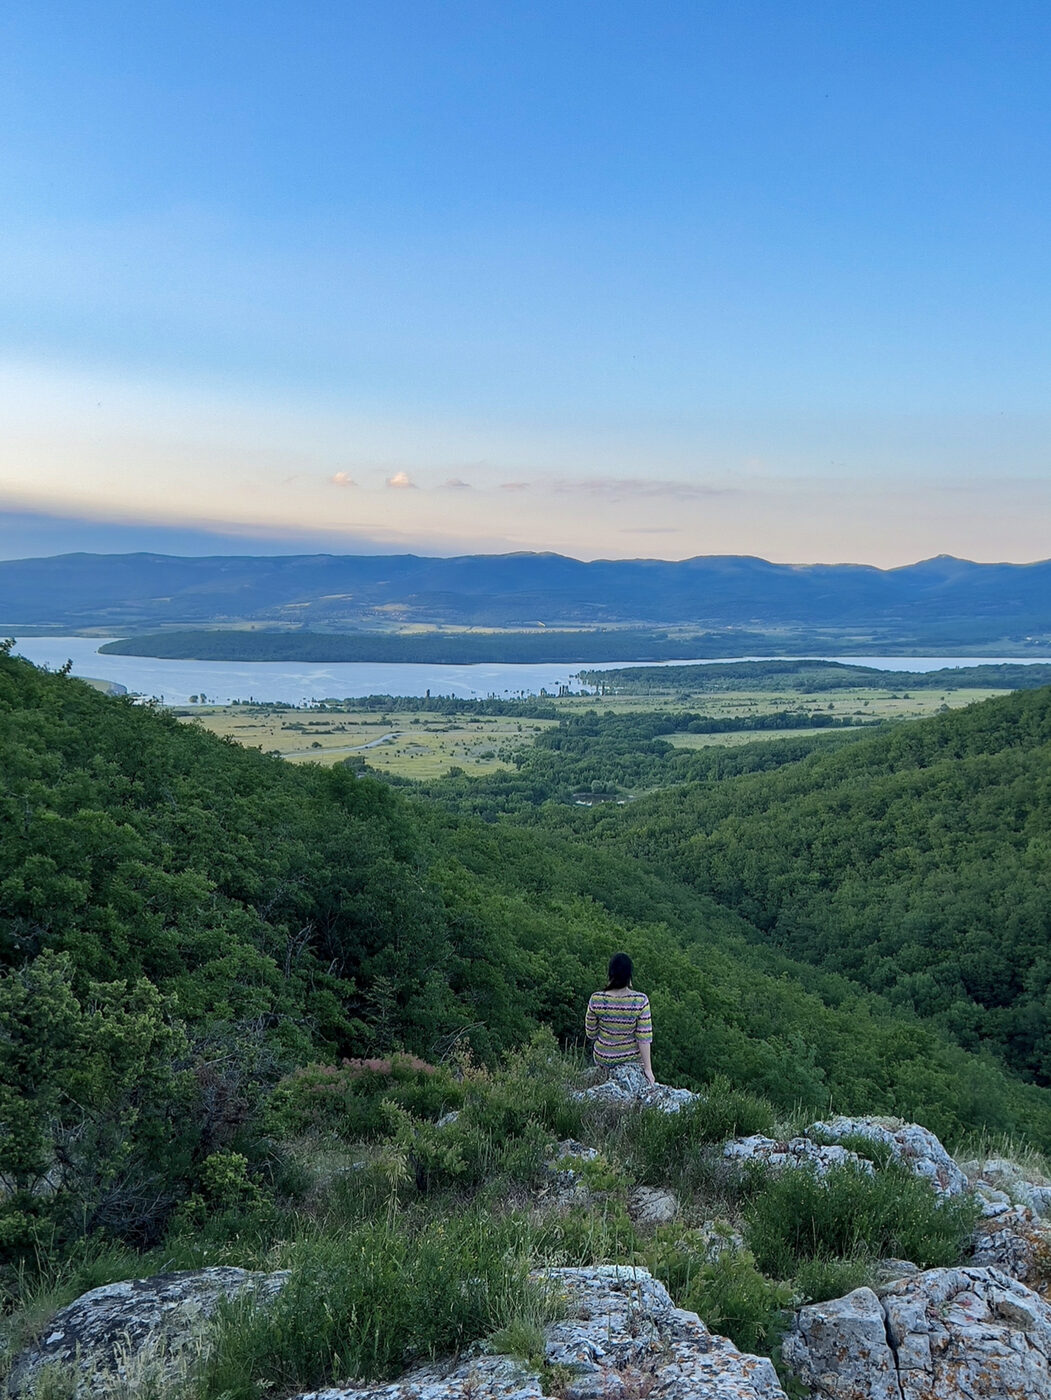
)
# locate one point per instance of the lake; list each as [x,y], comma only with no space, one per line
[173,682]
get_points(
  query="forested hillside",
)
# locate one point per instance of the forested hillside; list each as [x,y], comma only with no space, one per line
[183,921]
[941,602]
[917,862]
[914,860]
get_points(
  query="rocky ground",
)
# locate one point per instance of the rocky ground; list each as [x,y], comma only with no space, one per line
[981,1331]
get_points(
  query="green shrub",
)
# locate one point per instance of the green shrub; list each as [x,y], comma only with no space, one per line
[732,1297]
[369,1303]
[664,1147]
[228,1205]
[819,1279]
[798,1216]
[347,1099]
[598,1174]
[464,1154]
[724,1288]
[530,1086]
[522,1339]
[580,1237]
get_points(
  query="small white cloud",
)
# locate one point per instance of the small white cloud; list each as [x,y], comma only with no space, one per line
[401,481]
[342,479]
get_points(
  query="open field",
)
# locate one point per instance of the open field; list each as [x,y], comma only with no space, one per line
[425,744]
[412,745]
[860,703]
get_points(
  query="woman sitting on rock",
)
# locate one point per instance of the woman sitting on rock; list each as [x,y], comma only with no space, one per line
[618,1020]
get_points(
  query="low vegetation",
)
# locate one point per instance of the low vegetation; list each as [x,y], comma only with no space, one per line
[407,1235]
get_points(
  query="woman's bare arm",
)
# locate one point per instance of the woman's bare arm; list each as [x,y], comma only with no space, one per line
[644,1056]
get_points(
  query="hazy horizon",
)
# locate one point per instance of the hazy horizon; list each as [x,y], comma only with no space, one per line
[70,536]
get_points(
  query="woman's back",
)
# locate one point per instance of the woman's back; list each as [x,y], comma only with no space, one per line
[617,1021]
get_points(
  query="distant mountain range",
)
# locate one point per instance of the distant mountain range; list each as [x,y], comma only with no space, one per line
[942,601]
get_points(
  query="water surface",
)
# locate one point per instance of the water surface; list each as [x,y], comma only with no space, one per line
[173,682]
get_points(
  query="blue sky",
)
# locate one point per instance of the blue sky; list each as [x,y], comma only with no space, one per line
[608,278]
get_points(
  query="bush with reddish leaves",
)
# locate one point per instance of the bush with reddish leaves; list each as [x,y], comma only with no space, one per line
[346,1099]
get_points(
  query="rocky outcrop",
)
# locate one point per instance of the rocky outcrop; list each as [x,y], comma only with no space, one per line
[116,1331]
[1015,1242]
[621,1339]
[997,1179]
[564,1172]
[792,1152]
[915,1146]
[627,1087]
[945,1334]
[652,1205]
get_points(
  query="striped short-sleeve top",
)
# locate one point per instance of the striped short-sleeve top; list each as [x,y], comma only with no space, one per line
[616,1021]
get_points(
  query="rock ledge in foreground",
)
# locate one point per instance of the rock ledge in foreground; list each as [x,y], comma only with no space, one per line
[622,1339]
[946,1334]
[112,1329]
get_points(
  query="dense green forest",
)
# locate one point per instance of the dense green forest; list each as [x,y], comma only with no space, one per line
[914,860]
[432,648]
[809,676]
[183,921]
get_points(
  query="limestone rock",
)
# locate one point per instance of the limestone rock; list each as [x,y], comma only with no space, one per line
[565,1184]
[119,1327]
[651,1205]
[910,1143]
[795,1152]
[891,1270]
[481,1378]
[1000,1177]
[1017,1243]
[622,1339]
[991,1201]
[840,1349]
[945,1334]
[628,1087]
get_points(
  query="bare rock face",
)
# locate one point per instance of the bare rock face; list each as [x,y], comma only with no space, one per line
[116,1330]
[794,1152]
[1018,1244]
[945,1334]
[998,1179]
[651,1205]
[840,1349]
[910,1143]
[628,1087]
[622,1339]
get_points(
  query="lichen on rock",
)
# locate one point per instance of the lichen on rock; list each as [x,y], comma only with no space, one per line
[626,1087]
[109,1329]
[622,1339]
[944,1334]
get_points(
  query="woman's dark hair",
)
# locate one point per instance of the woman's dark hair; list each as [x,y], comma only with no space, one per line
[620,970]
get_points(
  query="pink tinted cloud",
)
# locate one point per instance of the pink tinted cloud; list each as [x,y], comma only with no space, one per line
[401,481]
